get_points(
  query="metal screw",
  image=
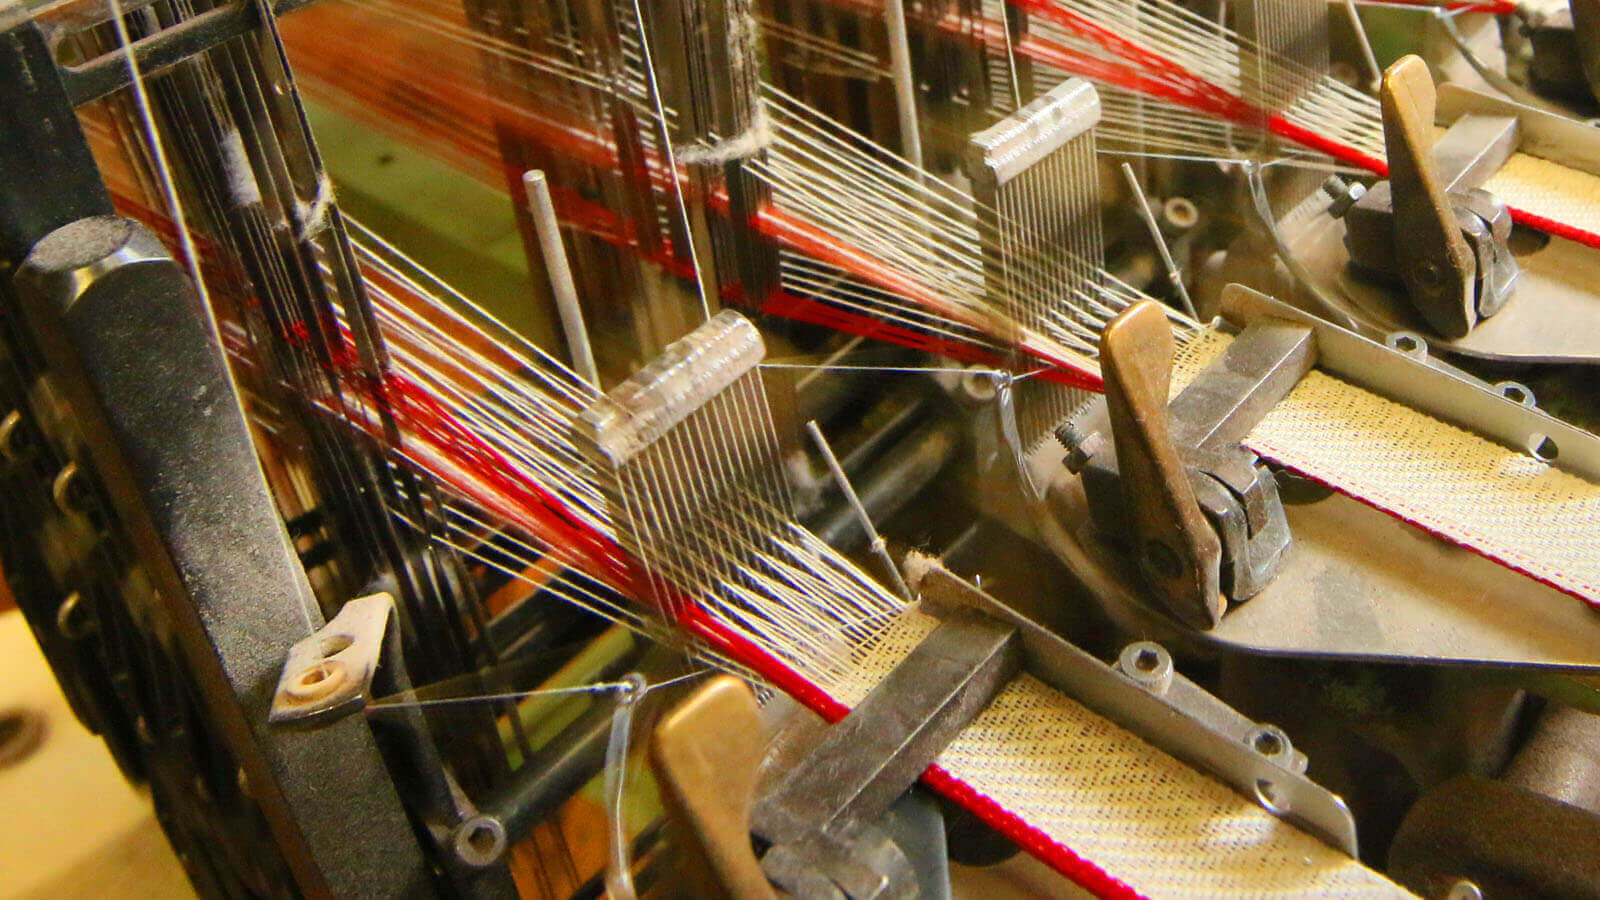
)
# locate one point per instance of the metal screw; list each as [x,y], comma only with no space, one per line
[1147,664]
[1345,194]
[1270,741]
[1080,447]
[479,840]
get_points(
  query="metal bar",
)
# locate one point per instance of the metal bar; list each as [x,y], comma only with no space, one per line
[1173,275]
[1367,55]
[905,85]
[880,749]
[569,761]
[108,73]
[167,437]
[879,549]
[1472,405]
[1281,790]
[48,177]
[554,250]
[1541,133]
[1259,368]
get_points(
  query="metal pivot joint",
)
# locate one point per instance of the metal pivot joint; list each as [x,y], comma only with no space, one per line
[1431,225]
[1197,511]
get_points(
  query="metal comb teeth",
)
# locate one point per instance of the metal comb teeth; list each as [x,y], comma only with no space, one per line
[689,372]
[1011,146]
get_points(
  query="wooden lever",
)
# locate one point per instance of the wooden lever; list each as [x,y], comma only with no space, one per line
[1176,547]
[1435,262]
[705,755]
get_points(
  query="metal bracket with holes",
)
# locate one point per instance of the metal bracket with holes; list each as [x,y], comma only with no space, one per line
[1145,695]
[329,673]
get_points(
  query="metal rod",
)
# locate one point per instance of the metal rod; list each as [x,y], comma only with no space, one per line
[1173,275]
[1366,46]
[879,548]
[905,86]
[554,251]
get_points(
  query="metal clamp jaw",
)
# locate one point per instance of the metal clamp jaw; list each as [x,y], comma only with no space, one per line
[1171,482]
[1431,225]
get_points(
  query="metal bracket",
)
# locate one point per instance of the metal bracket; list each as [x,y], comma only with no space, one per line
[1431,225]
[822,818]
[329,673]
[871,756]
[1234,492]
[1180,718]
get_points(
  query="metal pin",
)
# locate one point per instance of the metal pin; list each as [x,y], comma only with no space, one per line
[905,85]
[1366,46]
[1173,275]
[554,251]
[879,548]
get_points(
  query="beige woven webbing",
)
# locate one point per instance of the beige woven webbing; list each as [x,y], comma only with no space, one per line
[1500,502]
[1146,819]
[1549,189]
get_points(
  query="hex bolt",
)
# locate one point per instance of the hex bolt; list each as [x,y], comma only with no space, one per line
[1147,664]
[1345,194]
[479,840]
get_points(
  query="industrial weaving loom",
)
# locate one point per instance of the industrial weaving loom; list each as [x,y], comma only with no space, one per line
[848,449]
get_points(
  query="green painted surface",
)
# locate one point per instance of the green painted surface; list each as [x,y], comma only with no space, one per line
[459,228]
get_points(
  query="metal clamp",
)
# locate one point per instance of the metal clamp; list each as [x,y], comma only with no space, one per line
[1431,225]
[329,673]
[1207,506]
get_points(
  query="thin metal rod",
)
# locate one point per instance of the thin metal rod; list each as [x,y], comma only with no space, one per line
[879,548]
[905,85]
[562,287]
[1366,45]
[1173,275]
[701,279]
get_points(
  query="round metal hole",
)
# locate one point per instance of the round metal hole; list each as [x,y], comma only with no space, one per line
[1147,660]
[1408,343]
[1180,213]
[1269,795]
[1162,560]
[978,383]
[1269,742]
[1543,448]
[318,681]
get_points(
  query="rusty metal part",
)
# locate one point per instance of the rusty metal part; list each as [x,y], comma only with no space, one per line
[880,749]
[705,758]
[1438,267]
[1236,493]
[1177,549]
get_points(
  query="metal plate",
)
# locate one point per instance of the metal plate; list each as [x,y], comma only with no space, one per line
[1554,316]
[1361,584]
